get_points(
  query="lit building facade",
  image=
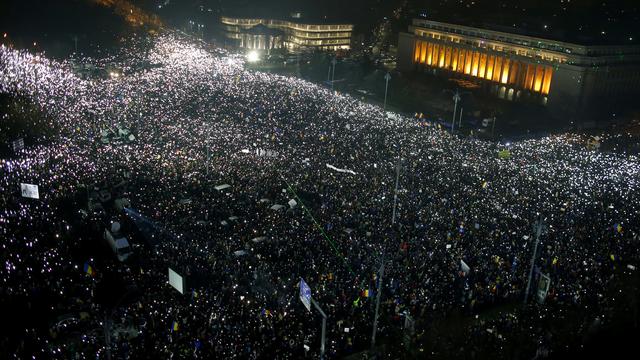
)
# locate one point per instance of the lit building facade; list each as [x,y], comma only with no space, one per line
[578,83]
[296,36]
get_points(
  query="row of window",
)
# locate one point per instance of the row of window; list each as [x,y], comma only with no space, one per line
[285,24]
[489,36]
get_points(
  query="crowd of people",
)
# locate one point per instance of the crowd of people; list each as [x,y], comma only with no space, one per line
[200,119]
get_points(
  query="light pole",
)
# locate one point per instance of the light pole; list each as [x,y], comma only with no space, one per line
[375,318]
[324,327]
[333,73]
[387,77]
[493,126]
[207,159]
[457,96]
[460,120]
[395,193]
[538,227]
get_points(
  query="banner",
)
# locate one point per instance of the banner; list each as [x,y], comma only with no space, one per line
[17,145]
[176,281]
[543,287]
[305,294]
[464,267]
[340,170]
[30,191]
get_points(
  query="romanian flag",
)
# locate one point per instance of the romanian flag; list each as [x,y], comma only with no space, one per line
[265,312]
[617,227]
[175,326]
[613,257]
[365,293]
[89,270]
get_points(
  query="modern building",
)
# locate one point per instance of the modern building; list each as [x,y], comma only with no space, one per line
[580,84]
[293,34]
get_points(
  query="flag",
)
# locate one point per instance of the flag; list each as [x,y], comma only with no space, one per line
[365,293]
[617,227]
[504,154]
[555,261]
[175,326]
[356,302]
[330,276]
[613,257]
[89,270]
[485,184]
[194,294]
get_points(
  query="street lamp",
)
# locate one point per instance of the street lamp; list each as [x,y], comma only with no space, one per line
[333,74]
[387,77]
[457,96]
[253,56]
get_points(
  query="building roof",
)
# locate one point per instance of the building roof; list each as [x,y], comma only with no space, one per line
[261,29]
[264,12]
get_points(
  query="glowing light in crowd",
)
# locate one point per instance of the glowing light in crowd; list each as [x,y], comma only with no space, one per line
[253,56]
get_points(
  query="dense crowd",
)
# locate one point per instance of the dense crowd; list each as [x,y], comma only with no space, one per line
[200,119]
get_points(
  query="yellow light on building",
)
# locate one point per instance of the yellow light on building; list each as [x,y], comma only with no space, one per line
[454,60]
[467,62]
[505,71]
[476,58]
[489,74]
[546,85]
[538,82]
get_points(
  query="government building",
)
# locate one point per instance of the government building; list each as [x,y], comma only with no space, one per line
[292,34]
[580,84]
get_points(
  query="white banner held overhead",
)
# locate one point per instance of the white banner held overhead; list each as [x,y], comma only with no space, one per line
[464,267]
[340,170]
[30,191]
[17,145]
[176,281]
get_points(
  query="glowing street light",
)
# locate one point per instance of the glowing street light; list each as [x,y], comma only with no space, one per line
[253,56]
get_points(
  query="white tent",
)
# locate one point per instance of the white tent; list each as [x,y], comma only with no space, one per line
[277,207]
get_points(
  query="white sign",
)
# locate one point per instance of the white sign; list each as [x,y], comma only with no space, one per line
[222,187]
[340,170]
[176,281]
[305,294]
[543,287]
[18,144]
[464,267]
[30,191]
[292,203]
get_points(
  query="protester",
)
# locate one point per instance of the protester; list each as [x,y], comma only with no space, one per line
[200,119]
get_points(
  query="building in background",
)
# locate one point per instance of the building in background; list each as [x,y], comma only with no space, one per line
[294,34]
[578,83]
